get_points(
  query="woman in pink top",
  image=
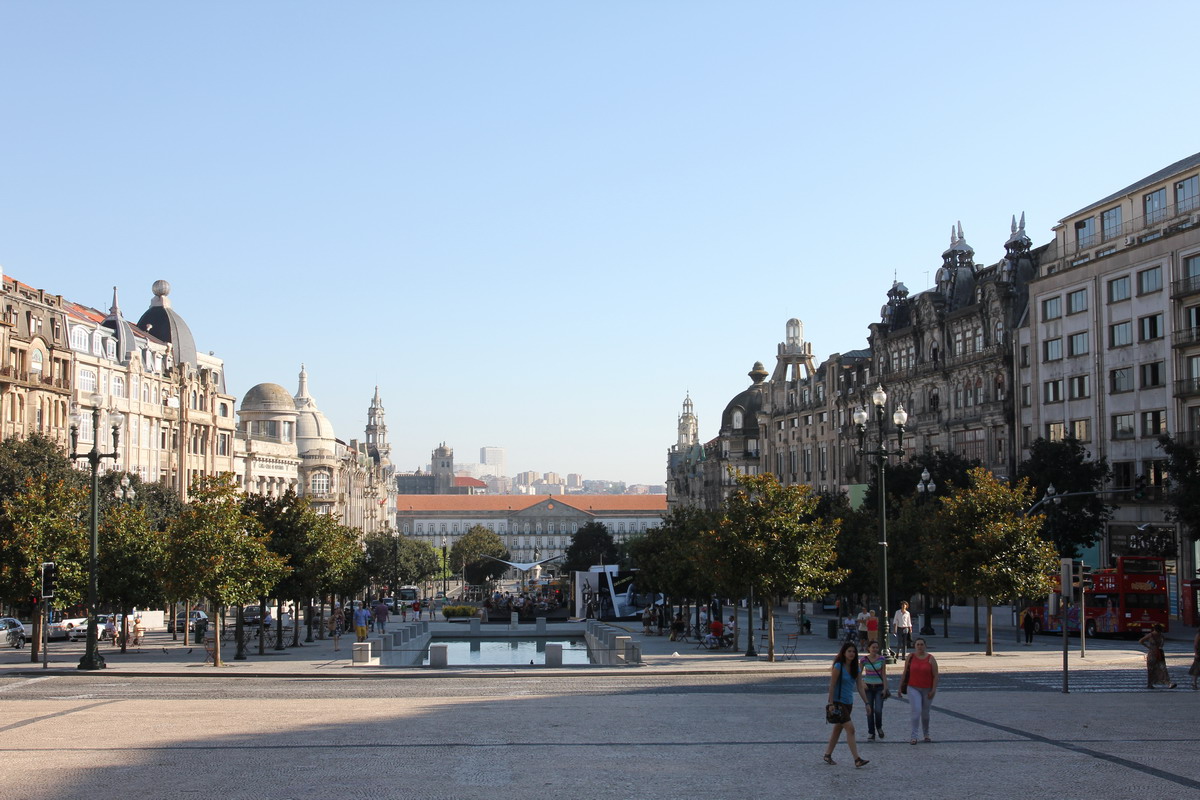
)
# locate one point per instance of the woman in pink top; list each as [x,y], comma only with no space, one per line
[921,676]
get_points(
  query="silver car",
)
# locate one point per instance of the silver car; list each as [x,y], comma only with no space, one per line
[12,632]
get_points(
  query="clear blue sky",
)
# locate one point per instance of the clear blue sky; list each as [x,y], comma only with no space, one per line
[538,225]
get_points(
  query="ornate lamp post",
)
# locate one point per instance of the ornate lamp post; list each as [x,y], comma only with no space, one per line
[91,656]
[445,568]
[925,489]
[881,453]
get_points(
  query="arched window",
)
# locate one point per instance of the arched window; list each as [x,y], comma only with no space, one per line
[87,380]
[118,386]
[79,339]
[320,483]
[36,361]
[979,390]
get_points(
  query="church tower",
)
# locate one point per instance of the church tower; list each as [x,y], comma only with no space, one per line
[442,467]
[688,426]
[377,443]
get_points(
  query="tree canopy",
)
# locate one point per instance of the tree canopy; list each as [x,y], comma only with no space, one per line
[1072,523]
[592,544]
[470,553]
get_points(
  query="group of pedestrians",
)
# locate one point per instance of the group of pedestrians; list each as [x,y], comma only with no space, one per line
[867,677]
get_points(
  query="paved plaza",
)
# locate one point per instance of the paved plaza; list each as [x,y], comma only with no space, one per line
[303,724]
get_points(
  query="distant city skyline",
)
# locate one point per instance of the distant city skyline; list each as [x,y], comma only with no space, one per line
[544,224]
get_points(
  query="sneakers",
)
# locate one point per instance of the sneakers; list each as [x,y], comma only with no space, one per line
[871,738]
[880,732]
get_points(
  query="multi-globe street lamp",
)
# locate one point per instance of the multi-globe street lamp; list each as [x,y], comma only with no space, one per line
[91,655]
[881,454]
[445,569]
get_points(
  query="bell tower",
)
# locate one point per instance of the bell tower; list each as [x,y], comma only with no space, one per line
[377,430]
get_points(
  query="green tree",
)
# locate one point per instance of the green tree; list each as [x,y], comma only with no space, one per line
[398,560]
[217,551]
[998,548]
[1183,490]
[130,562]
[592,544]
[1074,523]
[772,539]
[471,553]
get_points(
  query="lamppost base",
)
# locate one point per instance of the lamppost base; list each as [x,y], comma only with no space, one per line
[92,661]
[751,652]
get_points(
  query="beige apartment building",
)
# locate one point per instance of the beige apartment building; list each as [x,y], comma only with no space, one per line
[1110,350]
[36,376]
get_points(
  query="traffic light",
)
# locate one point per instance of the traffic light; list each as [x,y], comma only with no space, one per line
[1139,487]
[1085,578]
[49,579]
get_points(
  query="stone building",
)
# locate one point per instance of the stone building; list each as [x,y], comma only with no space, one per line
[36,375]
[527,524]
[179,422]
[1110,350]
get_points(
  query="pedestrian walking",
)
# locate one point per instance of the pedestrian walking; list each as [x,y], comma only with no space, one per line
[362,618]
[875,681]
[861,622]
[1194,670]
[337,624]
[902,625]
[1029,625]
[1156,659]
[381,616]
[139,630]
[845,678]
[872,627]
[416,610]
[920,676]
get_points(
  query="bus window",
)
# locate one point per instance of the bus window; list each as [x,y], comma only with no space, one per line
[1142,566]
[1153,601]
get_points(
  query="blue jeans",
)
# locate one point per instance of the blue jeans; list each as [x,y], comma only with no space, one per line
[874,708]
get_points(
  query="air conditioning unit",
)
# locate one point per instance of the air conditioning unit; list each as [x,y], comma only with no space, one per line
[1130,240]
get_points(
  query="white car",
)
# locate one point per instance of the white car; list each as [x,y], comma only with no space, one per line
[12,632]
[77,627]
[69,628]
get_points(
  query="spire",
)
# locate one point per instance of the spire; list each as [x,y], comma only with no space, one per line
[116,307]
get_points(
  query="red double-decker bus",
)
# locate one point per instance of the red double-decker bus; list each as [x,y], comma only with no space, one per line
[1128,599]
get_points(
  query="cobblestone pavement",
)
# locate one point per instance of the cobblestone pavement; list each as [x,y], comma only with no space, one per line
[641,736]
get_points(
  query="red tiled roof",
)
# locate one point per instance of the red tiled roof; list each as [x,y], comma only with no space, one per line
[474,483]
[590,503]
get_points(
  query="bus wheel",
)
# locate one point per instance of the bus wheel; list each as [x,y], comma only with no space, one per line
[1090,627]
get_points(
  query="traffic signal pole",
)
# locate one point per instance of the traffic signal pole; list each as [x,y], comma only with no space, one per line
[1066,568]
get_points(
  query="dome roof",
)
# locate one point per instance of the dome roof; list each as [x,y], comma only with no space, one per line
[268,397]
[313,430]
[749,402]
[161,321]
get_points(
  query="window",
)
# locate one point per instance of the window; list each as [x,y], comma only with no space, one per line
[1152,374]
[1118,289]
[87,380]
[1150,327]
[1154,423]
[320,483]
[1081,429]
[1121,380]
[1077,301]
[1055,431]
[1150,280]
[1024,355]
[1026,396]
[1052,391]
[1052,349]
[1110,223]
[79,339]
[1120,335]
[1187,194]
[36,361]
[1080,387]
[1122,426]
[1077,344]
[1085,233]
[1052,308]
[1154,205]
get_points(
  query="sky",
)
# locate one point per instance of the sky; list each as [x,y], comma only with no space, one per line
[539,225]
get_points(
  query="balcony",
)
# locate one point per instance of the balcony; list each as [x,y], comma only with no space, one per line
[1165,221]
[1185,337]
[1187,387]
[1185,286]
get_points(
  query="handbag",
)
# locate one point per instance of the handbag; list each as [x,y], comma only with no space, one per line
[904,677]
[837,713]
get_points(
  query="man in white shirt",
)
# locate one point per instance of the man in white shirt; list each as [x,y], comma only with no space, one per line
[862,619]
[902,625]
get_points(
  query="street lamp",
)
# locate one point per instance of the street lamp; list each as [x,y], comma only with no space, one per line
[925,489]
[881,453]
[445,568]
[91,656]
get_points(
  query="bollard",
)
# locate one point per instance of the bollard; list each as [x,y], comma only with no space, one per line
[633,653]
[512,621]
[619,645]
[554,655]
[474,625]
[438,655]
[405,635]
[363,652]
[541,625]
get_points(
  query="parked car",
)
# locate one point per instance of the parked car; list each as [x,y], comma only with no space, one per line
[192,617]
[12,632]
[252,615]
[76,627]
[69,626]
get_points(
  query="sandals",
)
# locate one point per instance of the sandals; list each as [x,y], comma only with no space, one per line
[860,762]
[928,740]
[912,741]
[829,759]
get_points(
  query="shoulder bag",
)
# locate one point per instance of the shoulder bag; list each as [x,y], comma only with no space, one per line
[837,713]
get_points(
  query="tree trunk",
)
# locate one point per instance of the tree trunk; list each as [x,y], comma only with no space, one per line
[990,652]
[124,629]
[217,662]
[35,642]
[770,632]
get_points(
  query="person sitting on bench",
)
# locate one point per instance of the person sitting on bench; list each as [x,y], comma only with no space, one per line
[713,639]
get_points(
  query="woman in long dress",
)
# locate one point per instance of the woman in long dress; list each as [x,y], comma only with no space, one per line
[1156,660]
